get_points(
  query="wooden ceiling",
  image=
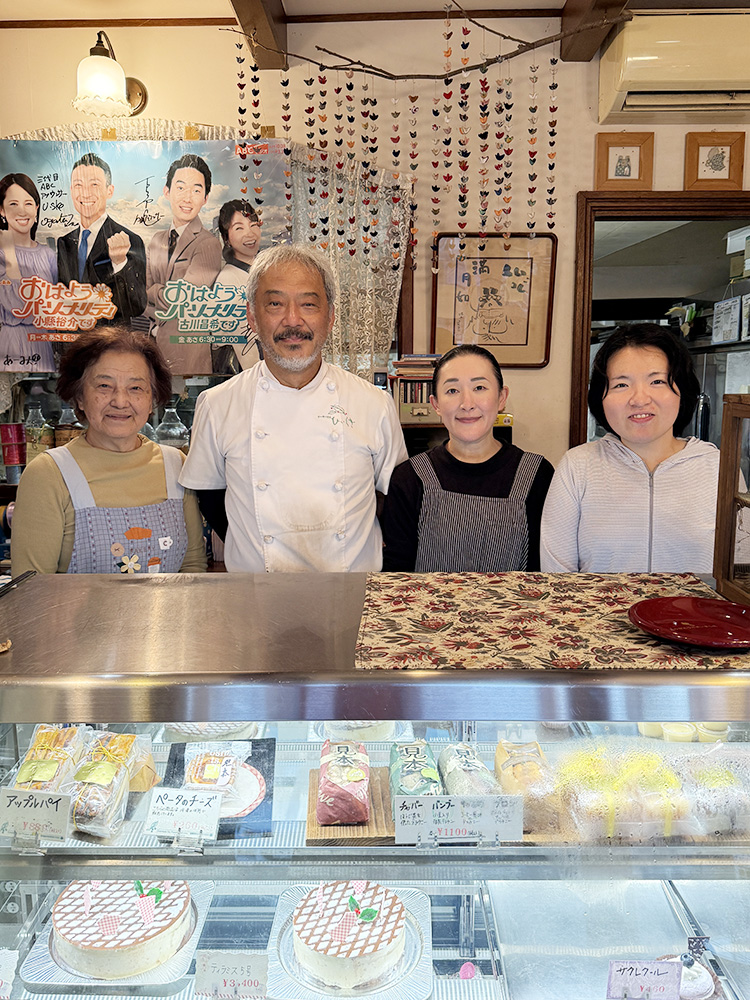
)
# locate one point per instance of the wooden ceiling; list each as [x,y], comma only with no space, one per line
[583,18]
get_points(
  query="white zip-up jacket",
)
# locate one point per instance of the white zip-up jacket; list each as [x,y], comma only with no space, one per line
[606,513]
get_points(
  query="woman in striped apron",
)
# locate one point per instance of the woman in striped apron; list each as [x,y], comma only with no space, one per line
[473,504]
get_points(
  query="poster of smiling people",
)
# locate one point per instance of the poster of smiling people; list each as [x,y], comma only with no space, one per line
[159,235]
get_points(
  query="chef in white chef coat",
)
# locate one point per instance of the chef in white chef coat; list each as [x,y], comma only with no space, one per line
[300,446]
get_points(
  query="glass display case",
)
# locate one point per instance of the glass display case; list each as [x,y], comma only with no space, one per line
[635,831]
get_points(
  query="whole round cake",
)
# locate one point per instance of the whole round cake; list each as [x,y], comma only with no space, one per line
[191,732]
[113,930]
[348,934]
[370,730]
[696,982]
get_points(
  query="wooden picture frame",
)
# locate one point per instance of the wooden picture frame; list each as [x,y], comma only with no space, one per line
[624,161]
[714,161]
[499,297]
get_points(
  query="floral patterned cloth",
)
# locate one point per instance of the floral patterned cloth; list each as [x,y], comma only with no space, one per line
[527,621]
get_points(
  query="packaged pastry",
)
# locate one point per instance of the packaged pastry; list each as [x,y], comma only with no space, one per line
[413,770]
[718,785]
[101,782]
[51,757]
[522,769]
[463,773]
[343,784]
[632,794]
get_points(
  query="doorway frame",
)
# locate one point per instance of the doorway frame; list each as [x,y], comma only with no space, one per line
[596,206]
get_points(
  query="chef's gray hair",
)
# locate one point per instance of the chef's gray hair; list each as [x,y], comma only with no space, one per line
[291,253]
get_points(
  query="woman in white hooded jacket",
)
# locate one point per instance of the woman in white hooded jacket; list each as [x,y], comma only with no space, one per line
[640,499]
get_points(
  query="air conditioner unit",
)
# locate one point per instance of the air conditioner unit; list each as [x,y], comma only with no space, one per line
[687,67]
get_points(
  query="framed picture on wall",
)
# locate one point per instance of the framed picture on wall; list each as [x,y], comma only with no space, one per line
[496,293]
[714,161]
[624,161]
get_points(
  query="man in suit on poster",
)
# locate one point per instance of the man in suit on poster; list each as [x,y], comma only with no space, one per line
[186,250]
[100,250]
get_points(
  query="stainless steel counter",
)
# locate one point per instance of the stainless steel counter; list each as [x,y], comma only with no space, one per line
[281,647]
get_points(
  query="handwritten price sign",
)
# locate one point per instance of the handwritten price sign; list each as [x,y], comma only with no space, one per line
[32,813]
[447,818]
[657,980]
[230,974]
[176,811]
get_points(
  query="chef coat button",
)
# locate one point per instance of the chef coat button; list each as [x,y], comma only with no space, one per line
[260,434]
[268,538]
[335,435]
[331,386]
[262,485]
[264,384]
[338,486]
[341,535]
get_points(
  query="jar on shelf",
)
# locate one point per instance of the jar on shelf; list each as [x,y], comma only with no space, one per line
[68,427]
[40,436]
[172,431]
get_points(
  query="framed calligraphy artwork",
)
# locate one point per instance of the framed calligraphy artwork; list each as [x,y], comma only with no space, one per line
[498,297]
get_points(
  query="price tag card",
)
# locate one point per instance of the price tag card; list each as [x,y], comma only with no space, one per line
[175,811]
[28,813]
[447,818]
[8,962]
[658,980]
[230,974]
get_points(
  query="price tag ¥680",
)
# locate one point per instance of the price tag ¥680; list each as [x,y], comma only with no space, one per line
[32,813]
[175,811]
[230,974]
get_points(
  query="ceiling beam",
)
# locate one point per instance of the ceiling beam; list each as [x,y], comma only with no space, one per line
[422,15]
[582,45]
[264,20]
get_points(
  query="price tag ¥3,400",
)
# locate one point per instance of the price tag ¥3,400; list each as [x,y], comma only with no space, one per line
[657,980]
[179,812]
[32,813]
[231,974]
[445,818]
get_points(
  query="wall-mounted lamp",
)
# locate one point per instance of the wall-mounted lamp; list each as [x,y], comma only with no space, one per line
[103,88]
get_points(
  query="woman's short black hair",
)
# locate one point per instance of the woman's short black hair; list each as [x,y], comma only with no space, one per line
[462,351]
[88,347]
[681,376]
[227,212]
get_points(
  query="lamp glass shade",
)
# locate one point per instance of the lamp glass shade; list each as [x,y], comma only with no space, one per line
[101,88]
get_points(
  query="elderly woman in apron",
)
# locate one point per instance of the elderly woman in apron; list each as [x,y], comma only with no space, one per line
[109,501]
[473,504]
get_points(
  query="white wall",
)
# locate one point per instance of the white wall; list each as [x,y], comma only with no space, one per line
[191,73]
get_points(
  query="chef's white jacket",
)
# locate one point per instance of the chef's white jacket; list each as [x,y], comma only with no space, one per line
[300,468]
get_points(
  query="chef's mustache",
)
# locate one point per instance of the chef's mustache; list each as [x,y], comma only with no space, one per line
[289,332]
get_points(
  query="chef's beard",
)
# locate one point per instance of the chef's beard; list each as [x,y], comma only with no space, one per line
[292,364]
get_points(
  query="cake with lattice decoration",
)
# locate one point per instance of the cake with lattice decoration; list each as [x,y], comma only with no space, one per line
[349,934]
[115,929]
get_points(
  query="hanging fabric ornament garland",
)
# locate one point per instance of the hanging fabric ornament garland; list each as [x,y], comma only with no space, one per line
[323,174]
[370,171]
[286,119]
[256,137]
[241,120]
[508,162]
[551,142]
[397,210]
[532,147]
[483,172]
[502,200]
[311,177]
[464,152]
[414,215]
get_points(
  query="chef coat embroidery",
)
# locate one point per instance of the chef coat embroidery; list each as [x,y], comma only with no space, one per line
[337,415]
[130,564]
[165,542]
[117,550]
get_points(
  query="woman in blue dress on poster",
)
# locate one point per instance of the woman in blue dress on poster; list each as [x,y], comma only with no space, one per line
[21,257]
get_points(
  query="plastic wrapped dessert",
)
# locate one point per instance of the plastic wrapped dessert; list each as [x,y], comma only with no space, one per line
[115,929]
[717,783]
[413,770]
[463,773]
[101,782]
[348,934]
[51,757]
[371,730]
[522,769]
[696,982]
[343,784]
